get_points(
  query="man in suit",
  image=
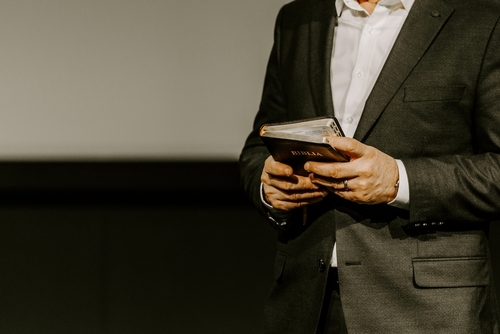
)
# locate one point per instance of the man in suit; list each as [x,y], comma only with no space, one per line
[416,86]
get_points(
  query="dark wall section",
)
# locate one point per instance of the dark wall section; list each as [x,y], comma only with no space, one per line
[130,248]
[164,183]
[133,247]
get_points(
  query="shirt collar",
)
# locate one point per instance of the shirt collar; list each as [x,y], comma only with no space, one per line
[407,4]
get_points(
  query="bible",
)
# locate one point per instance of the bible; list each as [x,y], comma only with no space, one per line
[294,143]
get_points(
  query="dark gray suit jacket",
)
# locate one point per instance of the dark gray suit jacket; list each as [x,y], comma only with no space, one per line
[435,106]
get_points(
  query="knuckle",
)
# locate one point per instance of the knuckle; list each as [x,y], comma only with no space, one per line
[363,198]
[305,183]
[364,169]
[362,185]
[351,145]
[270,197]
[334,171]
[279,206]
[267,164]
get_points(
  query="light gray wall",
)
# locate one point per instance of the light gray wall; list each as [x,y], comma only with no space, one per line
[87,79]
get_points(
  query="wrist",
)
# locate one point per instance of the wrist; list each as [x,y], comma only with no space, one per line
[402,198]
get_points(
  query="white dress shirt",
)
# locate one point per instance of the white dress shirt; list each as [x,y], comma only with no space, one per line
[362,42]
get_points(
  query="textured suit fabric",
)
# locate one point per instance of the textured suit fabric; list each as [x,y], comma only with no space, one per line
[435,106]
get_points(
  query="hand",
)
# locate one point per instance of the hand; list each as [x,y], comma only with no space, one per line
[286,191]
[371,175]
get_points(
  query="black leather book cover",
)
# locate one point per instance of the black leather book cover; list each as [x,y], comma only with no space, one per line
[296,153]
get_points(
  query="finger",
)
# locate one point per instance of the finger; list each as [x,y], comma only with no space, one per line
[283,200]
[347,195]
[357,197]
[279,195]
[287,206]
[288,183]
[277,168]
[331,183]
[292,199]
[358,194]
[349,146]
[335,170]
[301,185]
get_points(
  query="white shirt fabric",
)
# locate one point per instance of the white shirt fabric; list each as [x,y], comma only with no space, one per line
[362,42]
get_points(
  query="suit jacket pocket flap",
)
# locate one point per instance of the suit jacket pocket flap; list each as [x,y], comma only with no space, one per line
[434,93]
[450,272]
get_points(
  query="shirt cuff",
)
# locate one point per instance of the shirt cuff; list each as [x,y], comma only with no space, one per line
[267,205]
[278,218]
[402,200]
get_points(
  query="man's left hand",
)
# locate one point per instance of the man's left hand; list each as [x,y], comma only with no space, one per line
[370,177]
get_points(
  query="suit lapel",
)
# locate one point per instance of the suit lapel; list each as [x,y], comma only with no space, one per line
[423,23]
[321,27]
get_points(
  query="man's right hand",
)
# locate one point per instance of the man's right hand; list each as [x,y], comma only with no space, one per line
[287,191]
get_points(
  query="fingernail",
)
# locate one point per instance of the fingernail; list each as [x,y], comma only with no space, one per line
[306,167]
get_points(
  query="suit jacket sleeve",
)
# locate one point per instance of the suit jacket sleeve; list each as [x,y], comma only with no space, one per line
[462,187]
[272,109]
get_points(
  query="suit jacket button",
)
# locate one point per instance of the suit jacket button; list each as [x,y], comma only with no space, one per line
[435,13]
[321,265]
